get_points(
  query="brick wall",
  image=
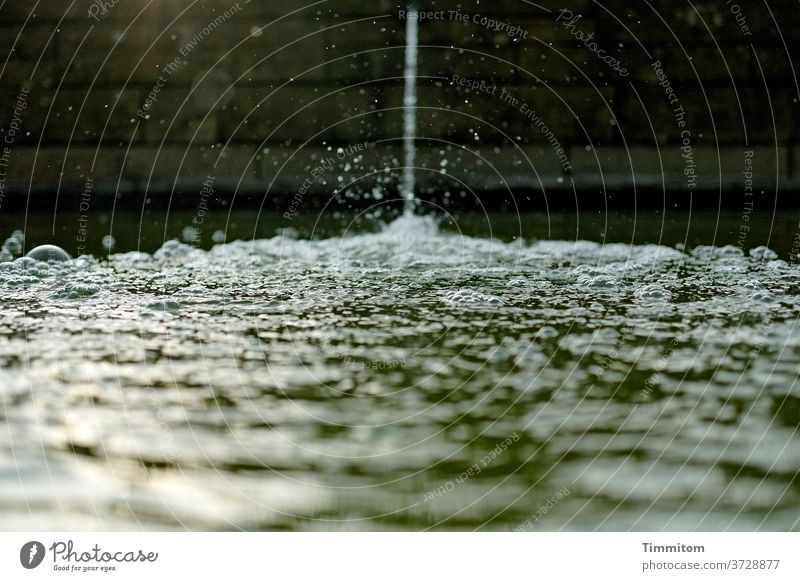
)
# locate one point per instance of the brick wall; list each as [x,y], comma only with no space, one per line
[142,100]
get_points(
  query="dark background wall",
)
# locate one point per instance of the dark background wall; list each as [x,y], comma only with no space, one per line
[262,94]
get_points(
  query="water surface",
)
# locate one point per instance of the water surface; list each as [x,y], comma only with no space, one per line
[412,377]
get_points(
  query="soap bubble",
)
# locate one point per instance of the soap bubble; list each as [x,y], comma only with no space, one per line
[48,253]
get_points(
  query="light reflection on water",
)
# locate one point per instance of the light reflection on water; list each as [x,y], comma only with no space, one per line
[370,381]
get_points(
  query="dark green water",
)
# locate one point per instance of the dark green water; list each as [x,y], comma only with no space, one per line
[505,377]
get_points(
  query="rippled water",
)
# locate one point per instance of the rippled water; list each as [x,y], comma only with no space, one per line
[404,379]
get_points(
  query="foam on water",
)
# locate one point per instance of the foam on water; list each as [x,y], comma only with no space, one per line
[301,384]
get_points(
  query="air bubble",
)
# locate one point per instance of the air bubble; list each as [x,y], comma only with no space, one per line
[48,253]
[653,292]
[763,253]
[469,296]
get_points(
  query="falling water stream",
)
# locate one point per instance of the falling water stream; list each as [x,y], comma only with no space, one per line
[408,183]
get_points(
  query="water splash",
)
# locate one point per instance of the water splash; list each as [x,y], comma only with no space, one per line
[408,183]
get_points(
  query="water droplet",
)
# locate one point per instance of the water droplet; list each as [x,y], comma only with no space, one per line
[190,234]
[13,246]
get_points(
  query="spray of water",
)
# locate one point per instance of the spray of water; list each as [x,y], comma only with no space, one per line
[408,183]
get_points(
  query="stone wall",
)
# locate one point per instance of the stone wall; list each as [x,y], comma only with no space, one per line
[538,104]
